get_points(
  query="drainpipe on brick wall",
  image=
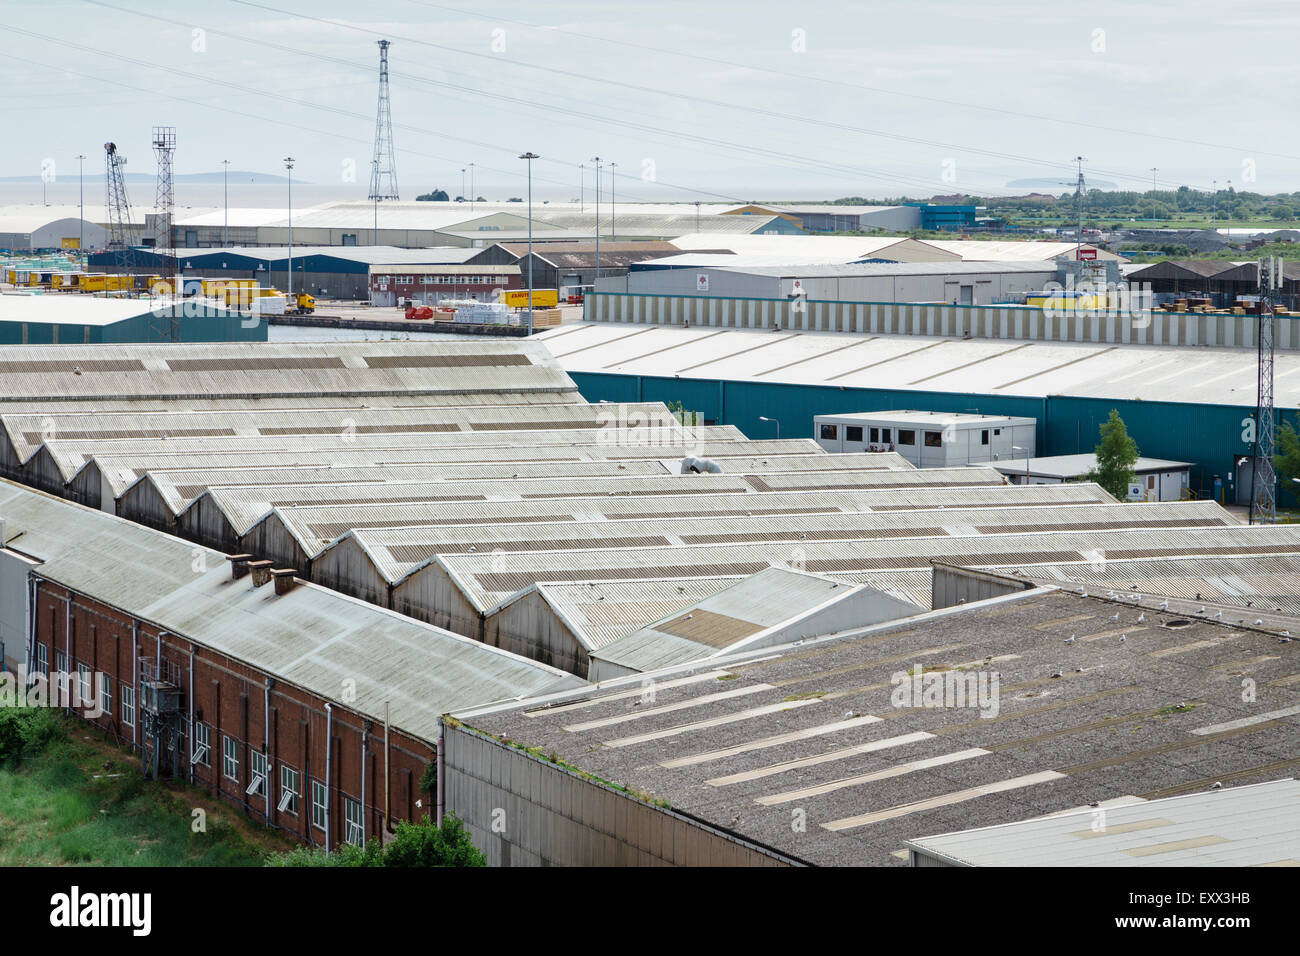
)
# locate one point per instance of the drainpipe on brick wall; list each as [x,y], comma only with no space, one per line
[67,651]
[135,680]
[365,739]
[33,589]
[189,740]
[388,805]
[441,793]
[266,743]
[329,762]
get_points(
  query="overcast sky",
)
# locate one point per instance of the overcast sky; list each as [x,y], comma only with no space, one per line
[729,100]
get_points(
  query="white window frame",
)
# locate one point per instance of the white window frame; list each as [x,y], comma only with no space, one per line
[353,827]
[128,705]
[42,659]
[290,781]
[322,805]
[258,768]
[201,755]
[106,694]
[61,669]
[85,686]
[227,758]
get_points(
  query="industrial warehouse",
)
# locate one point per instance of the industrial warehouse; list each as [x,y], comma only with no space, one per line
[555,438]
[469,493]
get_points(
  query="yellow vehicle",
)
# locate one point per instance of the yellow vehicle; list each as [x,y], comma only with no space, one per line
[542,298]
[303,304]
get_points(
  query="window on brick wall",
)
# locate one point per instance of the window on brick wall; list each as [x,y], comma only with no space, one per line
[230,758]
[353,832]
[288,790]
[85,690]
[257,773]
[106,694]
[61,669]
[202,745]
[318,807]
[128,705]
[42,660]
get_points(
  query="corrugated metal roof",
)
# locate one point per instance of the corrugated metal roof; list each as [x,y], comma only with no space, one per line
[1072,466]
[487,579]
[817,727]
[601,612]
[364,255]
[63,309]
[816,248]
[232,369]
[313,526]
[1256,825]
[243,506]
[740,615]
[182,452]
[26,432]
[179,488]
[906,363]
[311,637]
[397,550]
[1259,586]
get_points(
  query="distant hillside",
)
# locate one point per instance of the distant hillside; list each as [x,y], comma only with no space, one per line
[1057,185]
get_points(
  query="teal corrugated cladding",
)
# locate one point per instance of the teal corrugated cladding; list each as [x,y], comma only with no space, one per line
[1209,436]
[140,328]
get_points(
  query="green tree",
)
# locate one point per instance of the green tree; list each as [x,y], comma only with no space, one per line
[423,844]
[1287,460]
[438,195]
[414,844]
[1116,453]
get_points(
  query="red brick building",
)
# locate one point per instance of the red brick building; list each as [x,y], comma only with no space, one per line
[311,710]
[428,285]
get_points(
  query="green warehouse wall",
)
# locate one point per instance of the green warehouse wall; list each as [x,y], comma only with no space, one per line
[219,328]
[1209,436]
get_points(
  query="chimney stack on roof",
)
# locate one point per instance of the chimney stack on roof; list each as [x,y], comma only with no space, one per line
[261,572]
[238,565]
[284,579]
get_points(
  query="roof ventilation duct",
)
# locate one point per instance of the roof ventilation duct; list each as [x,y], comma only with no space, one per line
[695,466]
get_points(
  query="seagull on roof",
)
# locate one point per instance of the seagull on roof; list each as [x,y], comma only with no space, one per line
[1115,616]
[1219,615]
[1201,609]
[1058,674]
[1217,786]
[1123,638]
[1070,639]
[1142,617]
[1164,605]
[1259,622]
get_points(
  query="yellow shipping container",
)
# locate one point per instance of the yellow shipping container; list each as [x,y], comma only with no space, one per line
[542,298]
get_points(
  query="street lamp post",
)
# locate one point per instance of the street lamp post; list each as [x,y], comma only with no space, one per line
[288,164]
[764,418]
[225,200]
[472,200]
[374,233]
[595,283]
[613,206]
[81,203]
[529,157]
